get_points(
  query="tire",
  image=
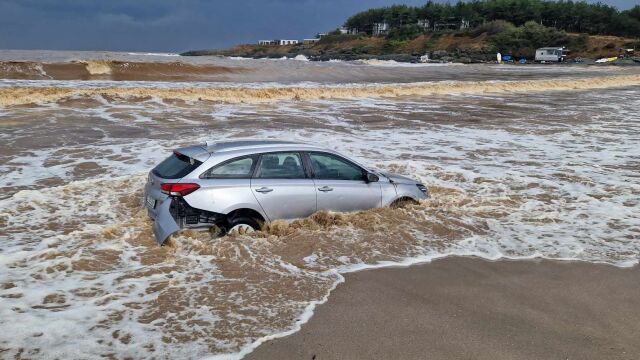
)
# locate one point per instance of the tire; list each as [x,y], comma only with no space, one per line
[403,203]
[237,223]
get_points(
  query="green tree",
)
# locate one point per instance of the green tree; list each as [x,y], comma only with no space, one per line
[633,12]
[525,39]
[568,15]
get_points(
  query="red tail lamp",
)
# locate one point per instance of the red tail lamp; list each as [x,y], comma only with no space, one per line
[179,189]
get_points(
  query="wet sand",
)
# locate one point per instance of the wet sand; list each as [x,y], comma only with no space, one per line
[467,308]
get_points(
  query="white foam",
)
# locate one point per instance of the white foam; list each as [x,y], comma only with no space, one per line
[555,181]
[393,63]
[153,54]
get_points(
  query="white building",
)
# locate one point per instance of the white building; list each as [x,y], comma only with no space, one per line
[310,41]
[380,29]
[451,24]
[350,31]
[277,42]
[425,24]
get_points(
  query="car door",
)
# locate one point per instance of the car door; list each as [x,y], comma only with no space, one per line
[226,186]
[341,184]
[282,186]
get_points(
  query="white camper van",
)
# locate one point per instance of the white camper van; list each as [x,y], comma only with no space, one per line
[551,54]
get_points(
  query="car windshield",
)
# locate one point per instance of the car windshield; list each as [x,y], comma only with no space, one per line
[176,166]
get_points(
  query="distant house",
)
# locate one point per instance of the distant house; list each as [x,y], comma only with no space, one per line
[552,54]
[310,41]
[425,24]
[277,42]
[321,35]
[451,24]
[380,28]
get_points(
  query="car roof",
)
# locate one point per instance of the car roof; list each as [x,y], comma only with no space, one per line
[222,146]
[221,150]
[203,151]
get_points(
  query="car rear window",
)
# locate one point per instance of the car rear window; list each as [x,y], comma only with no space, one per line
[176,166]
[238,168]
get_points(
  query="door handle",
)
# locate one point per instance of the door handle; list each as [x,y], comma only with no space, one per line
[264,190]
[325,189]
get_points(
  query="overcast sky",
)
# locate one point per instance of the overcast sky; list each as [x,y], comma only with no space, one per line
[174,25]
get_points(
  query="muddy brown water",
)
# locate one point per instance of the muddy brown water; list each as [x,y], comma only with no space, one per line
[520,172]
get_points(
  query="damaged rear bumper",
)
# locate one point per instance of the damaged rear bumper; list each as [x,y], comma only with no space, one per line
[164,225]
[174,213]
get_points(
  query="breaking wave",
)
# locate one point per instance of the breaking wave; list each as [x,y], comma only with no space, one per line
[97,67]
[233,95]
[112,70]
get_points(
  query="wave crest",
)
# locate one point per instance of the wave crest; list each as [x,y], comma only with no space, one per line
[111,70]
[29,95]
[97,67]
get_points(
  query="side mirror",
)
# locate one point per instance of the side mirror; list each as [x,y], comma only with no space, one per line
[371,177]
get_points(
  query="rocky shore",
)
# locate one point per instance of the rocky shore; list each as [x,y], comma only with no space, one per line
[438,56]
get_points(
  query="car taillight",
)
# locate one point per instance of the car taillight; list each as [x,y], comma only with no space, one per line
[179,189]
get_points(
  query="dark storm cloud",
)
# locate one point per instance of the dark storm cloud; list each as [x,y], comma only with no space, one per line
[162,25]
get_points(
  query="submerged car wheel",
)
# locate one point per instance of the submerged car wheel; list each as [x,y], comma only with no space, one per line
[239,224]
[242,229]
[403,203]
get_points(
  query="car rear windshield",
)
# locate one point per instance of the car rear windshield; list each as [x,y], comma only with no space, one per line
[176,166]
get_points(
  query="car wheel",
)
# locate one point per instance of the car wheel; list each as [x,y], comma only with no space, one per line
[241,224]
[403,203]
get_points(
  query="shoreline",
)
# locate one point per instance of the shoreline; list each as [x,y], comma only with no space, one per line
[467,306]
[409,59]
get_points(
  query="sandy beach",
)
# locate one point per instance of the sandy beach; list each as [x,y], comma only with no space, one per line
[468,308]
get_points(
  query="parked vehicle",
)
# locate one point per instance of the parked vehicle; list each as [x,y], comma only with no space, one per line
[229,186]
[551,54]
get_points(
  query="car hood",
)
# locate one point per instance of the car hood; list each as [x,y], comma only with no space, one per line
[398,178]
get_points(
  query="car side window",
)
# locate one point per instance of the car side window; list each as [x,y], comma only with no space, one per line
[282,165]
[330,167]
[240,168]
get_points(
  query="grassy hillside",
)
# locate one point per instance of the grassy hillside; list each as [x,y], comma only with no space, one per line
[466,47]
[471,31]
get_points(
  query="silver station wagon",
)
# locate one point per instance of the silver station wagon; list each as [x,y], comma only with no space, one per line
[240,185]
